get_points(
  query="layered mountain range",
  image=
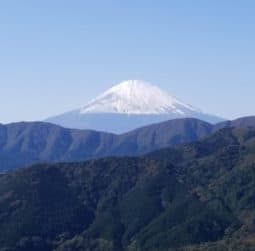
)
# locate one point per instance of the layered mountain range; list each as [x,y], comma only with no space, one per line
[127,106]
[194,197]
[185,184]
[36,142]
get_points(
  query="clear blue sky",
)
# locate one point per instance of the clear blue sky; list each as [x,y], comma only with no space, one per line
[57,54]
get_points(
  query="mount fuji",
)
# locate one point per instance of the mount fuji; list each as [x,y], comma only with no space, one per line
[129,105]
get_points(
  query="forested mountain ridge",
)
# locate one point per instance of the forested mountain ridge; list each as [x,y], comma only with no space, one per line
[24,144]
[36,142]
[197,196]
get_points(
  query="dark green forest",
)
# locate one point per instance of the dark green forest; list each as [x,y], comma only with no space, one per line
[196,196]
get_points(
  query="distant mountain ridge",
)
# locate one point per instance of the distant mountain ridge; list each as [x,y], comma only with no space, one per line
[27,143]
[240,122]
[194,197]
[129,105]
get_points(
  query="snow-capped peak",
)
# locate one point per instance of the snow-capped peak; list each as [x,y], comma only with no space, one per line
[136,97]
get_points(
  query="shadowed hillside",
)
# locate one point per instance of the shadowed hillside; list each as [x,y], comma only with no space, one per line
[198,196]
[27,143]
[36,142]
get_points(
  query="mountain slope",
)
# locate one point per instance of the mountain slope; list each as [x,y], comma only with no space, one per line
[129,105]
[136,97]
[199,196]
[27,143]
[240,122]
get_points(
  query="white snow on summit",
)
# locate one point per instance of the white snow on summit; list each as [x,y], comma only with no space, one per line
[136,97]
[127,106]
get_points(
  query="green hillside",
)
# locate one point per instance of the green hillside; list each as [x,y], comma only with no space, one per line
[198,196]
